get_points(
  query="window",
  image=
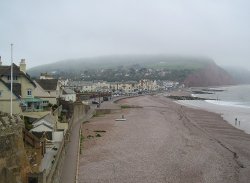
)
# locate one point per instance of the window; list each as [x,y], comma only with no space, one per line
[29,92]
[14,77]
[1,93]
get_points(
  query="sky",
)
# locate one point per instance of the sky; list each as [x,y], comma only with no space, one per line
[51,30]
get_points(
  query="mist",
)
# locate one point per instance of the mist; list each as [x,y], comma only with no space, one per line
[48,31]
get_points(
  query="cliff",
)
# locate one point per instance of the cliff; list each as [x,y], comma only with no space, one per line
[211,75]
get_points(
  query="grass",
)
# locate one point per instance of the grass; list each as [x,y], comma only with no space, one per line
[98,115]
[99,131]
[95,115]
[81,141]
[90,136]
[129,106]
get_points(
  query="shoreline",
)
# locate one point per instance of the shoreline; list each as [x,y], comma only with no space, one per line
[227,110]
[206,134]
[228,113]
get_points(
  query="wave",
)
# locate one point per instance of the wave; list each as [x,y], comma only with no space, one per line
[227,103]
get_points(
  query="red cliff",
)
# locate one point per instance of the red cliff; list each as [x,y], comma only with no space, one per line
[211,75]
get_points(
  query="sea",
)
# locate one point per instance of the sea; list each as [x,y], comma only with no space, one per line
[230,102]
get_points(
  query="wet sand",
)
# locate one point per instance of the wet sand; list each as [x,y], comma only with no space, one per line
[229,113]
[163,142]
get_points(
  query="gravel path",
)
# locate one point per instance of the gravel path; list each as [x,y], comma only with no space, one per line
[162,142]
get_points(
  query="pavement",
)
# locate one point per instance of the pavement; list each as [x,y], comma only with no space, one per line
[69,169]
[49,156]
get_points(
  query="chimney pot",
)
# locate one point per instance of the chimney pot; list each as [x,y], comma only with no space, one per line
[22,61]
[23,65]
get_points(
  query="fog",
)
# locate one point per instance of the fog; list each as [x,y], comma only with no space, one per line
[48,31]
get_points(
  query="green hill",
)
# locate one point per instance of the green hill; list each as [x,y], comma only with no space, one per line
[126,61]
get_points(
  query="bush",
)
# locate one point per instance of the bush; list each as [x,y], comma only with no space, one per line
[98,135]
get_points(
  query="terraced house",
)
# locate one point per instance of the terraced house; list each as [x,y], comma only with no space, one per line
[23,90]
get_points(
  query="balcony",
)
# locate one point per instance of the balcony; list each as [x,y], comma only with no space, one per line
[32,105]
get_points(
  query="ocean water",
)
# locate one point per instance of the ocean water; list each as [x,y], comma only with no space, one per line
[233,102]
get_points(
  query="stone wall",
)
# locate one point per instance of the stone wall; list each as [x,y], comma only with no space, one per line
[79,113]
[14,164]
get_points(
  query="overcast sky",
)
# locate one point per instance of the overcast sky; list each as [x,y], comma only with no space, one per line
[51,30]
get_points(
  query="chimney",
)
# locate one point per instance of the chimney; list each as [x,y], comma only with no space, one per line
[23,65]
[1,61]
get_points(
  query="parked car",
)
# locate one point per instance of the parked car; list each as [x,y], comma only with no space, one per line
[105,98]
[95,102]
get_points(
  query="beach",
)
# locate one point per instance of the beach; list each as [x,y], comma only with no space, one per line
[163,142]
[231,102]
[229,113]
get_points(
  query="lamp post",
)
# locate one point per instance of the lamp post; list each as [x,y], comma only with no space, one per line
[99,98]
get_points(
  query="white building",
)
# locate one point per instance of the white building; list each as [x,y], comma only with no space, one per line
[68,95]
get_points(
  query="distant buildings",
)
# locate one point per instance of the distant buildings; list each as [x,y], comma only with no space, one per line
[46,76]
[68,94]
[125,87]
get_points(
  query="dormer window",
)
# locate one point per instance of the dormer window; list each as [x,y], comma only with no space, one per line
[14,78]
[29,92]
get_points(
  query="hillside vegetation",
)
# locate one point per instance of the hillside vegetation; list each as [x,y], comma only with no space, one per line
[113,62]
[134,68]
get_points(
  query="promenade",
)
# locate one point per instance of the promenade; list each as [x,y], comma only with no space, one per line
[69,170]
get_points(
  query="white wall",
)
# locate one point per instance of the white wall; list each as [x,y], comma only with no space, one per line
[69,97]
[57,136]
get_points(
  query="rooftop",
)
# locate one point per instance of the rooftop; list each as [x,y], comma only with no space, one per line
[48,84]
[68,91]
[6,70]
